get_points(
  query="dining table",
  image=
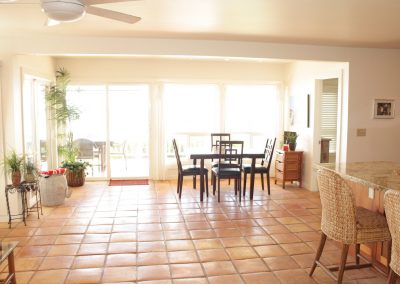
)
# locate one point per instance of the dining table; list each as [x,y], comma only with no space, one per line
[216,156]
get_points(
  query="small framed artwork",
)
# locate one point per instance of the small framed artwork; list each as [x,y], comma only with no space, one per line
[383,108]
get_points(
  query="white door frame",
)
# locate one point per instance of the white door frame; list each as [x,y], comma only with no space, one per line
[317,122]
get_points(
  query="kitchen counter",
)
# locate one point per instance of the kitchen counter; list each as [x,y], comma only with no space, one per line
[378,175]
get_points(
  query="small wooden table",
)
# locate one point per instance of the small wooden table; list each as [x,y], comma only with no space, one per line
[7,252]
[210,156]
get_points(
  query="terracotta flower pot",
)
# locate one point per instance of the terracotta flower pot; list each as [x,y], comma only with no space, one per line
[16,178]
[75,179]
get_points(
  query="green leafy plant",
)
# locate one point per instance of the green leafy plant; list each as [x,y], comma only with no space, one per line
[75,166]
[30,168]
[291,137]
[13,162]
[56,96]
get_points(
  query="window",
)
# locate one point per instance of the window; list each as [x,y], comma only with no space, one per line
[251,113]
[191,113]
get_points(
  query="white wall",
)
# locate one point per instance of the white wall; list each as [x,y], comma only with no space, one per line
[301,81]
[122,70]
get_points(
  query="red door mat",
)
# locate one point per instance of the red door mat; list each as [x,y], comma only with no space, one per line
[122,182]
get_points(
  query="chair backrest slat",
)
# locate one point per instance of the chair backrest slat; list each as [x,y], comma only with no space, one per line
[178,159]
[268,152]
[232,147]
[338,207]
[216,137]
[392,211]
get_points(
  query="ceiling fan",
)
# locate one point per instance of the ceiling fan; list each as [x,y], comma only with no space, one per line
[73,10]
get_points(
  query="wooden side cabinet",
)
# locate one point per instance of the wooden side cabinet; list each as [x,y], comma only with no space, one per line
[288,166]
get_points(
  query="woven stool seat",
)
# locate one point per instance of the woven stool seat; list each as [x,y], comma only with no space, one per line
[371,226]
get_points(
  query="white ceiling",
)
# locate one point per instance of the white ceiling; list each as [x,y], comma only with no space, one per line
[363,23]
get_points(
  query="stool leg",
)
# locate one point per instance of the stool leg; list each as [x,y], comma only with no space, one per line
[392,277]
[319,252]
[345,250]
[357,254]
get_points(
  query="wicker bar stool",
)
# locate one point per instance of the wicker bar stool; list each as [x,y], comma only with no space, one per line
[392,210]
[342,221]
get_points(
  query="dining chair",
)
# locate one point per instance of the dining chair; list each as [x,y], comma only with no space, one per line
[189,170]
[263,167]
[228,167]
[342,221]
[392,211]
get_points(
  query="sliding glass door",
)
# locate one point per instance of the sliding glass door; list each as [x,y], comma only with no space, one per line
[129,130]
[112,133]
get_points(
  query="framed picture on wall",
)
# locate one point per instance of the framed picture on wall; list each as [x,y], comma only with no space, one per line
[383,108]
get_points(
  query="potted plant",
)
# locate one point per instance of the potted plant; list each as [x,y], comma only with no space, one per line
[291,139]
[13,163]
[75,170]
[31,171]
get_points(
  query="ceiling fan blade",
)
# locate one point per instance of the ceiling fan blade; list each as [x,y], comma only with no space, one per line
[97,2]
[112,15]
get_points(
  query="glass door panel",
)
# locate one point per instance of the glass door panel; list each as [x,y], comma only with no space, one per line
[129,130]
[90,131]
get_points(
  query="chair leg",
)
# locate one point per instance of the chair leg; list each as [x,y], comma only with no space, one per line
[206,175]
[194,182]
[180,187]
[235,187]
[357,254]
[268,184]
[392,277]
[244,183]
[319,252]
[262,181]
[213,177]
[345,250]
[177,184]
[219,194]
[240,188]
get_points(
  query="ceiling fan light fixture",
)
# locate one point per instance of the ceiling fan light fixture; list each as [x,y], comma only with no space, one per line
[63,11]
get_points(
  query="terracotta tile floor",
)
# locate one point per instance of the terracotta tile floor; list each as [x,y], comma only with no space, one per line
[144,234]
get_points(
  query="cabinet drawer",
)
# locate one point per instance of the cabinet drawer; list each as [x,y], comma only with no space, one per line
[292,175]
[292,166]
[291,157]
[278,174]
[279,165]
[280,156]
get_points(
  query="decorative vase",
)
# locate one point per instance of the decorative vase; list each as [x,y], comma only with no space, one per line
[292,146]
[75,179]
[16,178]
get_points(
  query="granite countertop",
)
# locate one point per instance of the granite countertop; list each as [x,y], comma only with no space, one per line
[377,174]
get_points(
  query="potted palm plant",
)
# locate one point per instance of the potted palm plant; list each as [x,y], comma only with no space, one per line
[63,114]
[13,163]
